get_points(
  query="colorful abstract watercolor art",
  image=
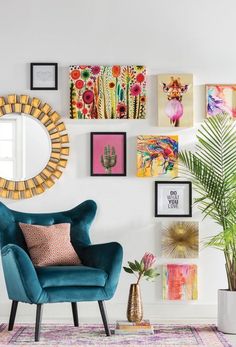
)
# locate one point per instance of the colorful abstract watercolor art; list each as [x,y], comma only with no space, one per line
[107,92]
[221,98]
[108,154]
[175,100]
[180,239]
[180,282]
[157,155]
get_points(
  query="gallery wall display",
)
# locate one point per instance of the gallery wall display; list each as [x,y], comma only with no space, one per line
[180,239]
[180,282]
[43,76]
[175,100]
[220,98]
[157,155]
[107,92]
[173,199]
[108,153]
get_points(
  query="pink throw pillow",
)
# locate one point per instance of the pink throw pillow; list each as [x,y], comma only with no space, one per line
[50,245]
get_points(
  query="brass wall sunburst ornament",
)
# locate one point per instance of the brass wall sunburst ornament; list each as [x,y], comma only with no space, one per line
[51,120]
[181,240]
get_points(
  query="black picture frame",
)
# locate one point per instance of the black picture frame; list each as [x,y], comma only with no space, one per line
[32,83]
[159,185]
[92,171]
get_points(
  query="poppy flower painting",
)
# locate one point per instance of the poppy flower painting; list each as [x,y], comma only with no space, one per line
[175,100]
[107,92]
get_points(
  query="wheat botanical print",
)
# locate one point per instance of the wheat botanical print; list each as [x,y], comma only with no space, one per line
[107,92]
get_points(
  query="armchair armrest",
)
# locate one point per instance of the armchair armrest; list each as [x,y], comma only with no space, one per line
[20,275]
[105,256]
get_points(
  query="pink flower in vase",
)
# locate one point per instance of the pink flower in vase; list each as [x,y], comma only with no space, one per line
[174,110]
[148,260]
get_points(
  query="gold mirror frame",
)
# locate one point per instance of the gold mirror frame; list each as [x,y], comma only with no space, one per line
[51,120]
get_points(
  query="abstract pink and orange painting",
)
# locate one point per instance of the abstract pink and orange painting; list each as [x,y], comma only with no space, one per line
[221,98]
[108,154]
[180,282]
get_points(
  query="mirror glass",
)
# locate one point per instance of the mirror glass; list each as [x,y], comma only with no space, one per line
[25,147]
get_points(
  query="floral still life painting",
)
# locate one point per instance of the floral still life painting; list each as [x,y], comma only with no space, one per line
[180,282]
[157,155]
[107,92]
[220,99]
[108,154]
[175,100]
[180,239]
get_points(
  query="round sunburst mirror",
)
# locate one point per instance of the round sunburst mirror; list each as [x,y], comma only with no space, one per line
[33,146]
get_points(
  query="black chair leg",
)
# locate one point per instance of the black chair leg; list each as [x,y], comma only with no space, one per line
[104,317]
[75,313]
[12,315]
[38,322]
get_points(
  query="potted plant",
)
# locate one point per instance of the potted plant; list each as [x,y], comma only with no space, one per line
[212,170]
[141,269]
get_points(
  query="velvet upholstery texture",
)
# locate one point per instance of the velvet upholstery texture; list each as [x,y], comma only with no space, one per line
[95,280]
[71,276]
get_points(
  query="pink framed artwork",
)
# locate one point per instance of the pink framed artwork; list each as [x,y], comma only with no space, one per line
[108,153]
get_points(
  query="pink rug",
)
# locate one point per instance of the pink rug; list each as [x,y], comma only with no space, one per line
[93,335]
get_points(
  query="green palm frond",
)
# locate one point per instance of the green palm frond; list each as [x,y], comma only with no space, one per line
[224,241]
[212,170]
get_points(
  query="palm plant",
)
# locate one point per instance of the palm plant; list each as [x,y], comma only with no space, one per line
[212,170]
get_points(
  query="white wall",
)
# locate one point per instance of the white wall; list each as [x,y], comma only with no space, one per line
[185,36]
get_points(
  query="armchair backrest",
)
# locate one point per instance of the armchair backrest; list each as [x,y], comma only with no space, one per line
[79,217]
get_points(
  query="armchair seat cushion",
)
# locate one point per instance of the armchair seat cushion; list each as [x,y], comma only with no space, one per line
[71,276]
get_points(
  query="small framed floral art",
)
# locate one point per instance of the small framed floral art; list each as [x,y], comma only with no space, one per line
[108,153]
[173,199]
[221,98]
[107,92]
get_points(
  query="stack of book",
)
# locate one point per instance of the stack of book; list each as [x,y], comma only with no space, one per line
[129,328]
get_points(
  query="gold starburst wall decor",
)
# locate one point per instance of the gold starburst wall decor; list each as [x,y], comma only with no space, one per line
[180,240]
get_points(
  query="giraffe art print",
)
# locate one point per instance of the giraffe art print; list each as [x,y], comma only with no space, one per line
[175,100]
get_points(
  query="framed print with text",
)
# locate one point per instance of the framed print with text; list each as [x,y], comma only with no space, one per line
[173,199]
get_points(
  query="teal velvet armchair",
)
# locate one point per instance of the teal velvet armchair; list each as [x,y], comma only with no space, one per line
[95,280]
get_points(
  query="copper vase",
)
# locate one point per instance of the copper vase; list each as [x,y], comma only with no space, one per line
[135,306]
